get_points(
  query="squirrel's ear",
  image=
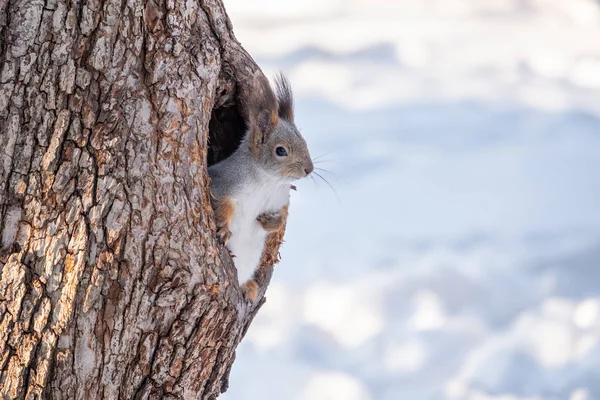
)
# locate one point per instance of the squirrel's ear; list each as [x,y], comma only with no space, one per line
[263,118]
[285,98]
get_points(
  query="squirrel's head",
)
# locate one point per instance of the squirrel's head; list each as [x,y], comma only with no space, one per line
[274,140]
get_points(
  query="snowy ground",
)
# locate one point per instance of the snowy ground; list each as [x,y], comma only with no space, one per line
[460,256]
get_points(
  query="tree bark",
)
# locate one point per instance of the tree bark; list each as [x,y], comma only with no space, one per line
[112,282]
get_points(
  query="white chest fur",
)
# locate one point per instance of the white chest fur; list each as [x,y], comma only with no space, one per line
[247,235]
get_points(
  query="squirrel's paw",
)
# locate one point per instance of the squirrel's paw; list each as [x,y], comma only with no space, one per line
[270,221]
[250,290]
[223,234]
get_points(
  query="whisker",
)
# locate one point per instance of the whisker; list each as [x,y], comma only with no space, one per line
[329,160]
[322,155]
[328,184]
[320,159]
[332,174]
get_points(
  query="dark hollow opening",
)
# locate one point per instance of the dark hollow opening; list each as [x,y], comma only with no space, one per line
[226,127]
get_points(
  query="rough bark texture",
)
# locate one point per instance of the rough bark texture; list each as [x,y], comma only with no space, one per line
[112,284]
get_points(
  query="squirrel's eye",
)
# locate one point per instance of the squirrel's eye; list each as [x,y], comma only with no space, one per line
[281,152]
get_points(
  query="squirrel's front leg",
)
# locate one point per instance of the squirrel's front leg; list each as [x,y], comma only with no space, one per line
[272,221]
[224,209]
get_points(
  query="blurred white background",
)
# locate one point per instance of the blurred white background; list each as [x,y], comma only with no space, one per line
[460,257]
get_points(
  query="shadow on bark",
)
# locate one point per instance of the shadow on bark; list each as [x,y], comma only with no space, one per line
[227,126]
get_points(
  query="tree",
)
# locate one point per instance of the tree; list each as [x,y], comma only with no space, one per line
[112,282]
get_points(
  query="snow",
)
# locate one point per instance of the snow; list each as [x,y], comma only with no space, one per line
[458,258]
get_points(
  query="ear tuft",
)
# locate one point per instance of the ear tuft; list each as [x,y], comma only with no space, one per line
[285,98]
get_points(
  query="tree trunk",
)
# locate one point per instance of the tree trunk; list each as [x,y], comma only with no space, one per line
[112,283]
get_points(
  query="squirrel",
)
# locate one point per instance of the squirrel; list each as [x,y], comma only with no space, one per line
[251,188]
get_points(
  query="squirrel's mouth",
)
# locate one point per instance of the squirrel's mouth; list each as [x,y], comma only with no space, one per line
[291,178]
[293,174]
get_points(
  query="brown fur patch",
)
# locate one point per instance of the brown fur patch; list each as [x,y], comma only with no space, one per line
[224,209]
[274,118]
[250,290]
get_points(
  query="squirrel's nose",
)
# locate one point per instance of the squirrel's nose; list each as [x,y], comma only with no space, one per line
[309,169]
